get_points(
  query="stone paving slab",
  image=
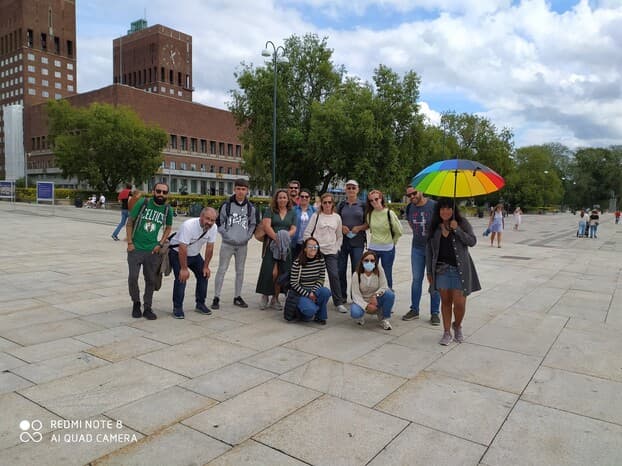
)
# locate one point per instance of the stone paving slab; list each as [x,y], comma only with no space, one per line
[279,359]
[550,436]
[49,350]
[49,331]
[251,453]
[57,368]
[331,431]
[14,409]
[126,349]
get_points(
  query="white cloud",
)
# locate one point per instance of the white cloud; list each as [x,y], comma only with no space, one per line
[544,74]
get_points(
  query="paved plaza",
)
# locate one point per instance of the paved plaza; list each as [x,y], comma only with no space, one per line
[538,380]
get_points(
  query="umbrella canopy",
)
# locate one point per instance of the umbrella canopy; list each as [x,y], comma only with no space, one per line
[457,178]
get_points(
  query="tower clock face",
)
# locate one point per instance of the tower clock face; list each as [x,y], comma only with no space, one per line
[170,55]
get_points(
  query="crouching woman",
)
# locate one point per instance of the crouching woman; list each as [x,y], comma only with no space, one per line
[370,292]
[307,279]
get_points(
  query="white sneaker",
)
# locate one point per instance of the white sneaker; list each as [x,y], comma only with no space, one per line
[386,324]
[341,308]
[361,321]
[263,303]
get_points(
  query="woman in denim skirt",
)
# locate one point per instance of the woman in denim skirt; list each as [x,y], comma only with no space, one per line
[449,265]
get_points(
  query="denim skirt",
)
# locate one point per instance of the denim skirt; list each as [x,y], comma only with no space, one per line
[448,278]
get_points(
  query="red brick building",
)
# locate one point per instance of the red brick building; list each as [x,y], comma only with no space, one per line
[152,74]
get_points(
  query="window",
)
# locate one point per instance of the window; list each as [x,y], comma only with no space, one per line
[182,165]
[230,150]
[172,91]
[44,60]
[163,89]
[31,68]
[29,37]
[57,45]
[193,144]
[211,168]
[173,141]
[57,74]
[238,150]
[221,148]
[31,91]
[70,48]
[203,146]
[57,63]
[212,147]
[70,66]
[31,80]
[70,77]
[193,167]
[162,75]
[45,83]
[58,96]
[237,171]
[45,93]
[70,88]
[31,56]
[44,71]
[184,143]
[172,165]
[179,79]
[220,169]
[170,76]
[228,171]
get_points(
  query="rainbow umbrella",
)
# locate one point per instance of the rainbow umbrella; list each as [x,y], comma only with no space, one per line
[457,178]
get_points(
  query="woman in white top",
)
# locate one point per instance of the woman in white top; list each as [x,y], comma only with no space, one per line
[370,291]
[325,227]
[518,217]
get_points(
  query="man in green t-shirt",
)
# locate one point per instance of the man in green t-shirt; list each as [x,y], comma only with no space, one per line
[147,218]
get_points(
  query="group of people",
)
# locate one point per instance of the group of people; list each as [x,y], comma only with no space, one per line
[588,224]
[301,245]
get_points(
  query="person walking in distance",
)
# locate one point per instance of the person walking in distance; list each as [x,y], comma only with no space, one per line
[123,198]
[419,214]
[496,223]
[353,226]
[237,220]
[185,254]
[147,218]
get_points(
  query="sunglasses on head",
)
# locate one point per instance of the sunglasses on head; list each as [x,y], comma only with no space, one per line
[161,191]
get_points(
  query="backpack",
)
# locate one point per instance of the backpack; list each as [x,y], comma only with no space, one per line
[139,218]
[227,206]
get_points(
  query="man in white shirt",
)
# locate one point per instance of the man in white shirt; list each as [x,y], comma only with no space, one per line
[185,255]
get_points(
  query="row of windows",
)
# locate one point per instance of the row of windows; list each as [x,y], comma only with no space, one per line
[194,146]
[9,94]
[150,75]
[12,59]
[193,167]
[46,83]
[46,72]
[214,188]
[13,41]
[34,164]
[46,94]
[10,71]
[45,61]
[11,82]
[39,143]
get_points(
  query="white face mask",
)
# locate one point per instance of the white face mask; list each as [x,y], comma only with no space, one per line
[369,266]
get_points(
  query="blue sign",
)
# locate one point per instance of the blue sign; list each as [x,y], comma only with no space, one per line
[45,191]
[7,189]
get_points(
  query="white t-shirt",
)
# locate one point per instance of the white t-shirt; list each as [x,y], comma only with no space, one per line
[189,233]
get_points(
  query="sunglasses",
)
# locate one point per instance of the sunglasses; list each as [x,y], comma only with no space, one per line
[303,196]
[293,187]
[369,260]
[350,187]
[313,247]
[413,194]
[161,191]
[327,202]
[375,199]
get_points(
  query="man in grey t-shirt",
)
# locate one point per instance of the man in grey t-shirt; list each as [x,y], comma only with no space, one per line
[419,214]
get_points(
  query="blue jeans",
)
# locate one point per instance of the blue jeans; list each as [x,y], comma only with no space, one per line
[195,263]
[582,226]
[385,305]
[354,253]
[124,214]
[386,259]
[593,230]
[310,309]
[417,263]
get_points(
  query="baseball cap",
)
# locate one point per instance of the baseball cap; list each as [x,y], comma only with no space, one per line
[352,182]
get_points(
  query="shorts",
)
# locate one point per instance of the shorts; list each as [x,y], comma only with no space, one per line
[449,279]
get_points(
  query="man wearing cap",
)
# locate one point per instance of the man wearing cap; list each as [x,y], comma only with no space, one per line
[352,212]
[419,214]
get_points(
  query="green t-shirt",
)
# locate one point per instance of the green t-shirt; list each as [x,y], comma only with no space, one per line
[147,228]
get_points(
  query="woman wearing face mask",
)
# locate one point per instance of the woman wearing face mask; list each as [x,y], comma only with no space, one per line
[277,218]
[385,229]
[304,211]
[307,280]
[449,265]
[370,291]
[325,226]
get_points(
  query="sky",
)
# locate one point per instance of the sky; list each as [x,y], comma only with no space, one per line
[549,70]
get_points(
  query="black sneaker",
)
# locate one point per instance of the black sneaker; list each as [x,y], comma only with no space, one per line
[239,302]
[201,308]
[435,319]
[178,313]
[411,315]
[136,312]
[148,314]
[215,303]
[317,320]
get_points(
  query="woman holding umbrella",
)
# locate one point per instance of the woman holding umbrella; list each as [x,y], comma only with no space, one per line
[449,265]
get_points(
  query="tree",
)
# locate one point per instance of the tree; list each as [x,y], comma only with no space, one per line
[104,145]
[330,127]
[596,175]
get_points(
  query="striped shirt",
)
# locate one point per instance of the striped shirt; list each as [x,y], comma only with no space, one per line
[308,279]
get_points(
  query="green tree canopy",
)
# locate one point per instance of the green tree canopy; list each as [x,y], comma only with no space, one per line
[104,145]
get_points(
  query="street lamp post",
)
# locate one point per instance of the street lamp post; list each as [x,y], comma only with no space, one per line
[275,54]
[26,156]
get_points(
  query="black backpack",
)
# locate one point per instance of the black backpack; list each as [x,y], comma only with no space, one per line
[227,206]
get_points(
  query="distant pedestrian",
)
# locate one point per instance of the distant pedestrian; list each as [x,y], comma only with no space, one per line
[123,197]
[583,224]
[450,265]
[518,217]
[594,221]
[101,202]
[370,292]
[185,255]
[237,220]
[146,220]
[617,215]
[496,224]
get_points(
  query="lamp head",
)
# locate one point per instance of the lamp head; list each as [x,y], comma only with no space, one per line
[266,53]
